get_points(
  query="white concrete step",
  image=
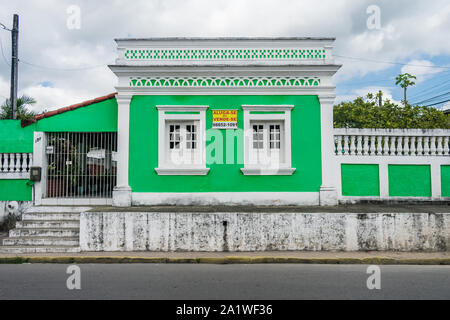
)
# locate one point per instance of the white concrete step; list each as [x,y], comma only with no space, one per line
[39,249]
[51,216]
[56,209]
[41,241]
[44,232]
[48,224]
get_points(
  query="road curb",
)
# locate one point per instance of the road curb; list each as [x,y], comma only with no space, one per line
[223,260]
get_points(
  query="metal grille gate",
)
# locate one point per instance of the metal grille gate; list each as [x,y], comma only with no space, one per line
[81,164]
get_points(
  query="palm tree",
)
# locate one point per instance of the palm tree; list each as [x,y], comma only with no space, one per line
[405,80]
[23,113]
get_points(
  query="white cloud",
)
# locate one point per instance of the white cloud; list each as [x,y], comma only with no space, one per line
[409,31]
[362,92]
[421,69]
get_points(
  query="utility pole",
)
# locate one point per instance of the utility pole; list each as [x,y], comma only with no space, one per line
[14,65]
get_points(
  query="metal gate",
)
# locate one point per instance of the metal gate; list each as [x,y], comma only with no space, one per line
[81,164]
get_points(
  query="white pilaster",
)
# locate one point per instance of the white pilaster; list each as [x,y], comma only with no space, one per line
[328,191]
[122,191]
[39,160]
[436,192]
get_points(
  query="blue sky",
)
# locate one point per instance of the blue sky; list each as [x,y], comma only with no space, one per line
[61,66]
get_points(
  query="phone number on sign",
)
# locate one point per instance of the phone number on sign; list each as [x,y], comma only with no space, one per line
[230,125]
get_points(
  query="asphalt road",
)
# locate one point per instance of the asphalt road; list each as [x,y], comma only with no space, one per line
[202,281]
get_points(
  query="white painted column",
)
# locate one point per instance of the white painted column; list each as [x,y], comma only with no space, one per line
[122,191]
[384,180]
[330,169]
[39,160]
[436,192]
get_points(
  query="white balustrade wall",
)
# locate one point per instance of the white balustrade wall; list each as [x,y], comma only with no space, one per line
[15,165]
[386,147]
[392,142]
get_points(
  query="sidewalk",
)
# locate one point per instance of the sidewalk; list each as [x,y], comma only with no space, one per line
[306,257]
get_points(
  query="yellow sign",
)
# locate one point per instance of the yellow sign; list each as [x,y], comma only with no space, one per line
[224,119]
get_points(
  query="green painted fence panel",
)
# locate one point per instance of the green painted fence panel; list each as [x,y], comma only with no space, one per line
[361,180]
[409,180]
[15,190]
[445,181]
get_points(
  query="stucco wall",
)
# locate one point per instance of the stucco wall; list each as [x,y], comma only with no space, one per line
[225,175]
[138,231]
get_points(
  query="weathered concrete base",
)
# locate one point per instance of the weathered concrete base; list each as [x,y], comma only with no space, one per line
[181,231]
[122,197]
[328,196]
[226,198]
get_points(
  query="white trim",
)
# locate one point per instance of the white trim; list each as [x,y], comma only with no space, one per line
[14,175]
[226,198]
[40,160]
[182,171]
[269,172]
[328,189]
[284,167]
[166,168]
[181,108]
[122,191]
[76,201]
[268,108]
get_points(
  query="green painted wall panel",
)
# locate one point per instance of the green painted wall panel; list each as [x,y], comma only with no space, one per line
[14,138]
[409,180]
[223,177]
[445,181]
[98,117]
[15,190]
[360,180]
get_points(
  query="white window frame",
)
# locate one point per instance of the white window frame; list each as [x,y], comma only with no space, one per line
[165,167]
[271,115]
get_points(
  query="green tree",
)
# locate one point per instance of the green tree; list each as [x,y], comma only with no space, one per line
[23,113]
[367,113]
[405,80]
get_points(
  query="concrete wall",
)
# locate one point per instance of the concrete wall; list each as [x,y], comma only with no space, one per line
[163,231]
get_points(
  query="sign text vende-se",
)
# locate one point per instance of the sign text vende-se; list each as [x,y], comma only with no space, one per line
[224,119]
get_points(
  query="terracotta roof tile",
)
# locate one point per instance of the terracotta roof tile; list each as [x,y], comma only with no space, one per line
[68,108]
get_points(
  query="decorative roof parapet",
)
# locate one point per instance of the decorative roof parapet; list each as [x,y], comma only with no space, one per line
[224,51]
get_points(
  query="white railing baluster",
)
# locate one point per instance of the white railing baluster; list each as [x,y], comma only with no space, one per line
[339,145]
[439,148]
[420,146]
[446,146]
[352,145]
[359,146]
[393,142]
[372,145]
[406,146]
[412,147]
[346,145]
[433,146]
[17,163]
[379,146]
[426,146]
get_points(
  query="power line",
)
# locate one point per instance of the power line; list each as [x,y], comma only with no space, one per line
[61,69]
[432,98]
[391,62]
[430,90]
[436,103]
